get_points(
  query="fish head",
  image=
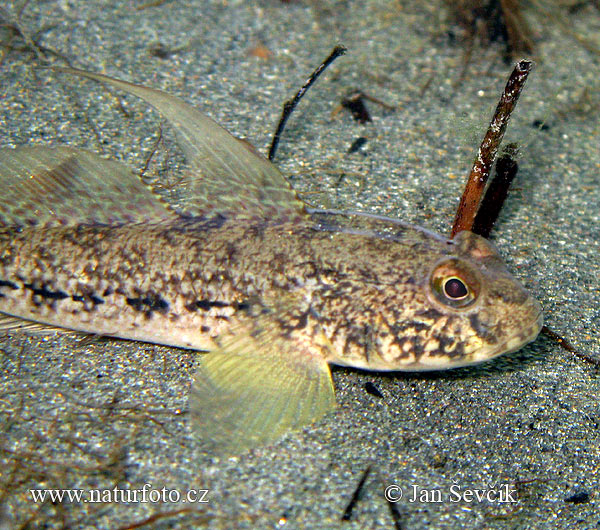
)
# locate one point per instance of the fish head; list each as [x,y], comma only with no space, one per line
[453,304]
[473,310]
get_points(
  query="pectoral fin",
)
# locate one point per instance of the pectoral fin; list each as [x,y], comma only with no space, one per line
[257,386]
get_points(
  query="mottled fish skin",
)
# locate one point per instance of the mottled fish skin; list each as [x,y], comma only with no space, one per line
[368,282]
[272,289]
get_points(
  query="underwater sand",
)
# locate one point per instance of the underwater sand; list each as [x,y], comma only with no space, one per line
[108,413]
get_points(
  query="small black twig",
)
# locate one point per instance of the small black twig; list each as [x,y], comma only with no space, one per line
[395,513]
[356,495]
[291,104]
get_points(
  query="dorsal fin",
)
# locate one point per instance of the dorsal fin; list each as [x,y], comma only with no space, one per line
[65,186]
[226,176]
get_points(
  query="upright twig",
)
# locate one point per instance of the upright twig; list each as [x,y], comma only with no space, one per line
[471,198]
[496,193]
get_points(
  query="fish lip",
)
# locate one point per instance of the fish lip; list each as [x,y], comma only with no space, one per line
[514,343]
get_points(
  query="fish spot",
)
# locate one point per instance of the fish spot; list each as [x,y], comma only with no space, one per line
[148,304]
[214,223]
[45,293]
[196,223]
[92,298]
[409,327]
[10,285]
[430,313]
[231,250]
[206,305]
[450,346]
[510,295]
[300,322]
[482,331]
[97,300]
[417,347]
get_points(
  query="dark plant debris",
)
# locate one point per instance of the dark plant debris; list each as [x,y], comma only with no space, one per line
[540,125]
[373,390]
[153,151]
[357,144]
[153,3]
[356,495]
[497,191]
[488,21]
[566,345]
[161,50]
[580,497]
[354,101]
[16,38]
[395,513]
[290,105]
[198,518]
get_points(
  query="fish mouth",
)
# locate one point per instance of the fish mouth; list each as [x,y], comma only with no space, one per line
[436,363]
[514,343]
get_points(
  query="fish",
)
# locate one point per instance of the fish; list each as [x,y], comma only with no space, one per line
[271,290]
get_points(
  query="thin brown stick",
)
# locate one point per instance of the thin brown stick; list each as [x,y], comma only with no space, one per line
[566,345]
[469,202]
[152,152]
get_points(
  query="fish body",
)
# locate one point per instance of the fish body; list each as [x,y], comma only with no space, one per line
[274,290]
[183,283]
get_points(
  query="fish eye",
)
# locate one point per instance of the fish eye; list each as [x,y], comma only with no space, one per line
[455,283]
[455,289]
